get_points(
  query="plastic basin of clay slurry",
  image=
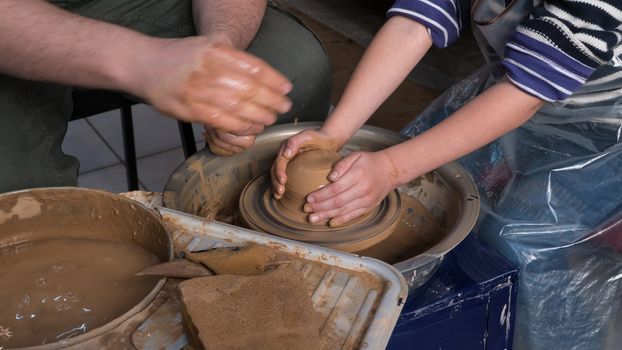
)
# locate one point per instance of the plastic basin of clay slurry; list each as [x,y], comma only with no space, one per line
[210,186]
[65,213]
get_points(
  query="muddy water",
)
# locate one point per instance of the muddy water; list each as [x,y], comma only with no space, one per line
[55,289]
[417,231]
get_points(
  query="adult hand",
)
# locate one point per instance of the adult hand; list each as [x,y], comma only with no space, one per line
[304,140]
[359,182]
[195,80]
[227,144]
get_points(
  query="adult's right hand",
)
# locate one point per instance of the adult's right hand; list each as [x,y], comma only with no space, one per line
[197,80]
[304,140]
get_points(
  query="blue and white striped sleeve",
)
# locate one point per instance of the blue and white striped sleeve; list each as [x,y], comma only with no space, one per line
[443,18]
[554,53]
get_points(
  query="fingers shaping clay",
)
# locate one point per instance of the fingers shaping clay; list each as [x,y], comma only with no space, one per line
[306,173]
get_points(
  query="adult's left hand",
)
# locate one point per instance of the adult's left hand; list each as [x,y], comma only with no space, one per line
[359,182]
[225,143]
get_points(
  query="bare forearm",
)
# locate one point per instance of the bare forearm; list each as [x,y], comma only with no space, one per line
[495,112]
[234,22]
[39,41]
[396,49]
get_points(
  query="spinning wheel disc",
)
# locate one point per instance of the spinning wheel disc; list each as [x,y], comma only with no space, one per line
[262,212]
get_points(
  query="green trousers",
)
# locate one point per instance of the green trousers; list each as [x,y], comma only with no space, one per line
[34,116]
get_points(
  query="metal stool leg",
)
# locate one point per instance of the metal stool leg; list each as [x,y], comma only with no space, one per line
[187,139]
[129,148]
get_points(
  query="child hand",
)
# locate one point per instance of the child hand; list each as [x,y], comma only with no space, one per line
[360,182]
[305,140]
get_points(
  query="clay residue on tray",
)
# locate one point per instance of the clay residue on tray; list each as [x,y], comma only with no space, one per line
[219,204]
[54,289]
[269,311]
[417,231]
[302,275]
[249,260]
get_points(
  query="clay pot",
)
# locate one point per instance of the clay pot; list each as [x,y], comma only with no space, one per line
[306,173]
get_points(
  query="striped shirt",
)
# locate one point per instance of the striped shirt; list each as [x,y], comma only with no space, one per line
[553,54]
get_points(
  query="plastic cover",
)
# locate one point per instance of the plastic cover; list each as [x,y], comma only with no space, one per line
[551,195]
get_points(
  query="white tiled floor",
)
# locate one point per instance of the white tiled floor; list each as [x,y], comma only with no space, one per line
[111,179]
[83,142]
[155,170]
[97,142]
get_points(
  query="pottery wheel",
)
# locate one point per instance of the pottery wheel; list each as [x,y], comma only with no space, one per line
[262,212]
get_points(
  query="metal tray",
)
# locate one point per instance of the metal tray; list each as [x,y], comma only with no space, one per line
[360,297]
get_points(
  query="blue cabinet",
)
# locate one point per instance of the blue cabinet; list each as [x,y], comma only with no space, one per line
[469,303]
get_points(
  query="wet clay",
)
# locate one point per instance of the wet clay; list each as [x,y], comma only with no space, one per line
[246,261]
[197,166]
[58,288]
[306,173]
[269,311]
[318,143]
[391,235]
[24,208]
[219,208]
[417,231]
[259,211]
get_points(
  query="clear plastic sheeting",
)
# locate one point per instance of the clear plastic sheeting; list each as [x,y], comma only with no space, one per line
[551,195]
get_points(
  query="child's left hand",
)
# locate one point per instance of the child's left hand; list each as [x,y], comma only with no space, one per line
[360,181]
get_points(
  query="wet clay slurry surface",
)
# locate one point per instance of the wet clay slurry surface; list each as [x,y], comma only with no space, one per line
[58,288]
[409,228]
[269,299]
[417,230]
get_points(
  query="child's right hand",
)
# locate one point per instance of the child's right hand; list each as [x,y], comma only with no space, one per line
[303,141]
